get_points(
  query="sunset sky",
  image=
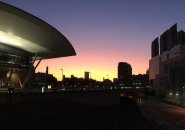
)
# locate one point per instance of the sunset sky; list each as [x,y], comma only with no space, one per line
[105,32]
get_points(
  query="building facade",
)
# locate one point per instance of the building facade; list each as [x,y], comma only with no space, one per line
[140,81]
[86,75]
[167,68]
[124,74]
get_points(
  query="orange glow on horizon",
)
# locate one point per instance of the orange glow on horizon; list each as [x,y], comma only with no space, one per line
[100,67]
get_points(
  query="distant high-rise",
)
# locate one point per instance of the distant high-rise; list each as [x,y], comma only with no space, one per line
[86,75]
[124,73]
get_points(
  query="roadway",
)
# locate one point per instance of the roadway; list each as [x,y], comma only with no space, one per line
[164,115]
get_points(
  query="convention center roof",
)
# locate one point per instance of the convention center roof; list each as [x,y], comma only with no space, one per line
[21,32]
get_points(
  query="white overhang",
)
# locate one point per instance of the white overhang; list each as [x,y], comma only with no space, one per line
[30,34]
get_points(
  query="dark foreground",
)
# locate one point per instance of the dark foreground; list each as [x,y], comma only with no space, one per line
[168,117]
[55,111]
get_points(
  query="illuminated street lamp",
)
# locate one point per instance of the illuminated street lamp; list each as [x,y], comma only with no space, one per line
[177,94]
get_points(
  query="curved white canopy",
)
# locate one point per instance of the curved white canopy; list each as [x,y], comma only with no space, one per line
[25,32]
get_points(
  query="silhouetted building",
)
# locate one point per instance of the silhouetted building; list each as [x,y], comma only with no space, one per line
[181,37]
[43,79]
[124,73]
[172,37]
[155,47]
[115,80]
[163,42]
[86,75]
[107,83]
[63,77]
[167,70]
[168,39]
[80,84]
[147,72]
[46,70]
[140,80]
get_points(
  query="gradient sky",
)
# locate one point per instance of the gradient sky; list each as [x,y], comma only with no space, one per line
[105,32]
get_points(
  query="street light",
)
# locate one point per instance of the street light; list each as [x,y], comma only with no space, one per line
[177,98]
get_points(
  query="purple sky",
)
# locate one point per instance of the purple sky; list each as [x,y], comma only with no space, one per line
[105,32]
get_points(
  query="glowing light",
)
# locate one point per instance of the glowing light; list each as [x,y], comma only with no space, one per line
[139,99]
[8,74]
[49,86]
[63,89]
[122,94]
[43,89]
[170,93]
[18,42]
[177,94]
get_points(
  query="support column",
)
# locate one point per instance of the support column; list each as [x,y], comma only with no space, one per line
[31,70]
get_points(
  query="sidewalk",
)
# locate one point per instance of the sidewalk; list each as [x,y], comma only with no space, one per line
[156,117]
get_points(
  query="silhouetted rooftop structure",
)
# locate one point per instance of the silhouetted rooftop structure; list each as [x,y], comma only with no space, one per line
[124,73]
[155,47]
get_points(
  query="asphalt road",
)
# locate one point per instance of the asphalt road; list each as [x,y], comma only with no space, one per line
[166,116]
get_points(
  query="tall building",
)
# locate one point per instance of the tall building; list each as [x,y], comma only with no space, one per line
[124,73]
[172,37]
[86,75]
[163,42]
[155,47]
[167,69]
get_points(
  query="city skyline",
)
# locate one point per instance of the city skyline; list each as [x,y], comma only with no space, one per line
[104,33]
